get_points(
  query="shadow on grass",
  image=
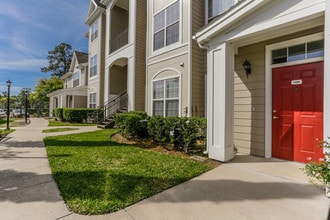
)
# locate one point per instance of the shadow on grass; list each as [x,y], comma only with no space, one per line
[117,191]
[75,143]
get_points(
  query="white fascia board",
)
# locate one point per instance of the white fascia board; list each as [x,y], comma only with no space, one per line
[301,13]
[304,16]
[228,19]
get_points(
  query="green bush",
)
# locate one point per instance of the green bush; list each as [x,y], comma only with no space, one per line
[73,115]
[132,124]
[159,129]
[183,133]
[59,113]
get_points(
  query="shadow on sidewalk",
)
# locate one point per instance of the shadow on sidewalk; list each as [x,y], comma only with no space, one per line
[22,187]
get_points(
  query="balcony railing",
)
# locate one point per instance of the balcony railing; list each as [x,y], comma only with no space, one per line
[119,41]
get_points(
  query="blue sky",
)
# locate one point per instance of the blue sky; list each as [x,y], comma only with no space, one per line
[31,28]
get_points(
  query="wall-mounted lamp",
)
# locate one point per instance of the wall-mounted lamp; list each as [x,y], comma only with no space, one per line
[247,68]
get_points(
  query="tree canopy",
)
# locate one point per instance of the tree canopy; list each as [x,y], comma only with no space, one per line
[59,60]
[44,87]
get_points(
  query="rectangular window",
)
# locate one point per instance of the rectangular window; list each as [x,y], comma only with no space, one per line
[218,7]
[296,52]
[76,79]
[92,100]
[303,51]
[93,66]
[94,30]
[166,97]
[315,49]
[167,26]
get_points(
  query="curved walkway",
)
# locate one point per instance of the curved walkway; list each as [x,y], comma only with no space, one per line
[246,188]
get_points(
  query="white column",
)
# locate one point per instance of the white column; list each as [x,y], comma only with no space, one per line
[327,72]
[131,83]
[220,102]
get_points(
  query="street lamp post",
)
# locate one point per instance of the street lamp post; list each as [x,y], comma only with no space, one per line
[26,91]
[8,103]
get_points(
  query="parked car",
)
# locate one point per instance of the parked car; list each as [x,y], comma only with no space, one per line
[2,113]
[16,113]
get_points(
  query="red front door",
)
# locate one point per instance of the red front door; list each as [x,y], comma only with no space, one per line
[298,112]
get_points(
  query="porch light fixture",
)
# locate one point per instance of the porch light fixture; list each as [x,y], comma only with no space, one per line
[247,68]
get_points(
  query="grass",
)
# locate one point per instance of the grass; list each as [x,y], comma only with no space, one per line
[53,123]
[97,176]
[59,130]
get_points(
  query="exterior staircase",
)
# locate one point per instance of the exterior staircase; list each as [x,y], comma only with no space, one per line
[103,116]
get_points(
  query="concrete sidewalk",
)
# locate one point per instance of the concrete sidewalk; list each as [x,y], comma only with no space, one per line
[27,188]
[246,188]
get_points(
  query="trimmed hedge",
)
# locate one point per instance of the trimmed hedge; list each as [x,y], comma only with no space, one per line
[185,133]
[132,124]
[59,113]
[73,115]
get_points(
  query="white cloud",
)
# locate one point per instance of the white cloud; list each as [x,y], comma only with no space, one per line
[23,64]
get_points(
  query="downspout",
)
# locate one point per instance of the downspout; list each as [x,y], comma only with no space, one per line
[202,46]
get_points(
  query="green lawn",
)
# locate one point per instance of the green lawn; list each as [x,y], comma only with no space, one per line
[59,130]
[53,123]
[96,175]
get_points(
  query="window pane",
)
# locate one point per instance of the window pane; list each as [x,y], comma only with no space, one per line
[159,40]
[172,108]
[296,52]
[173,13]
[217,7]
[172,88]
[93,66]
[158,90]
[159,21]
[158,108]
[279,56]
[172,34]
[315,49]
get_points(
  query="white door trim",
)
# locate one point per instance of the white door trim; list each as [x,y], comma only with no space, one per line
[268,83]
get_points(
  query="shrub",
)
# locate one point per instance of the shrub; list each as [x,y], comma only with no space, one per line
[132,124]
[159,129]
[320,169]
[75,115]
[183,133]
[59,113]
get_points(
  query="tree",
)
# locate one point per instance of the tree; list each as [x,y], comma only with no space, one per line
[46,86]
[59,60]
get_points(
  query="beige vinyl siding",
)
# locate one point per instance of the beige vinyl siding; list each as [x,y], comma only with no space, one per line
[140,61]
[249,101]
[198,62]
[80,101]
[118,79]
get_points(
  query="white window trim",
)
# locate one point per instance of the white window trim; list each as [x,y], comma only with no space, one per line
[178,75]
[89,100]
[269,66]
[171,46]
[89,68]
[207,18]
[95,26]
[79,77]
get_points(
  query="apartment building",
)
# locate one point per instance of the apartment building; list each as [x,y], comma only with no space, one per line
[74,92]
[268,71]
[117,51]
[175,65]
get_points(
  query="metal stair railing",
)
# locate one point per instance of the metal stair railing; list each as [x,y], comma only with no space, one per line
[110,108]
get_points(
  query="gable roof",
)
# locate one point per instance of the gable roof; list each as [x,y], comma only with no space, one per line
[82,57]
[95,9]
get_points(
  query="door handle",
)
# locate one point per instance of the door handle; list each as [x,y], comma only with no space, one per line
[276,117]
